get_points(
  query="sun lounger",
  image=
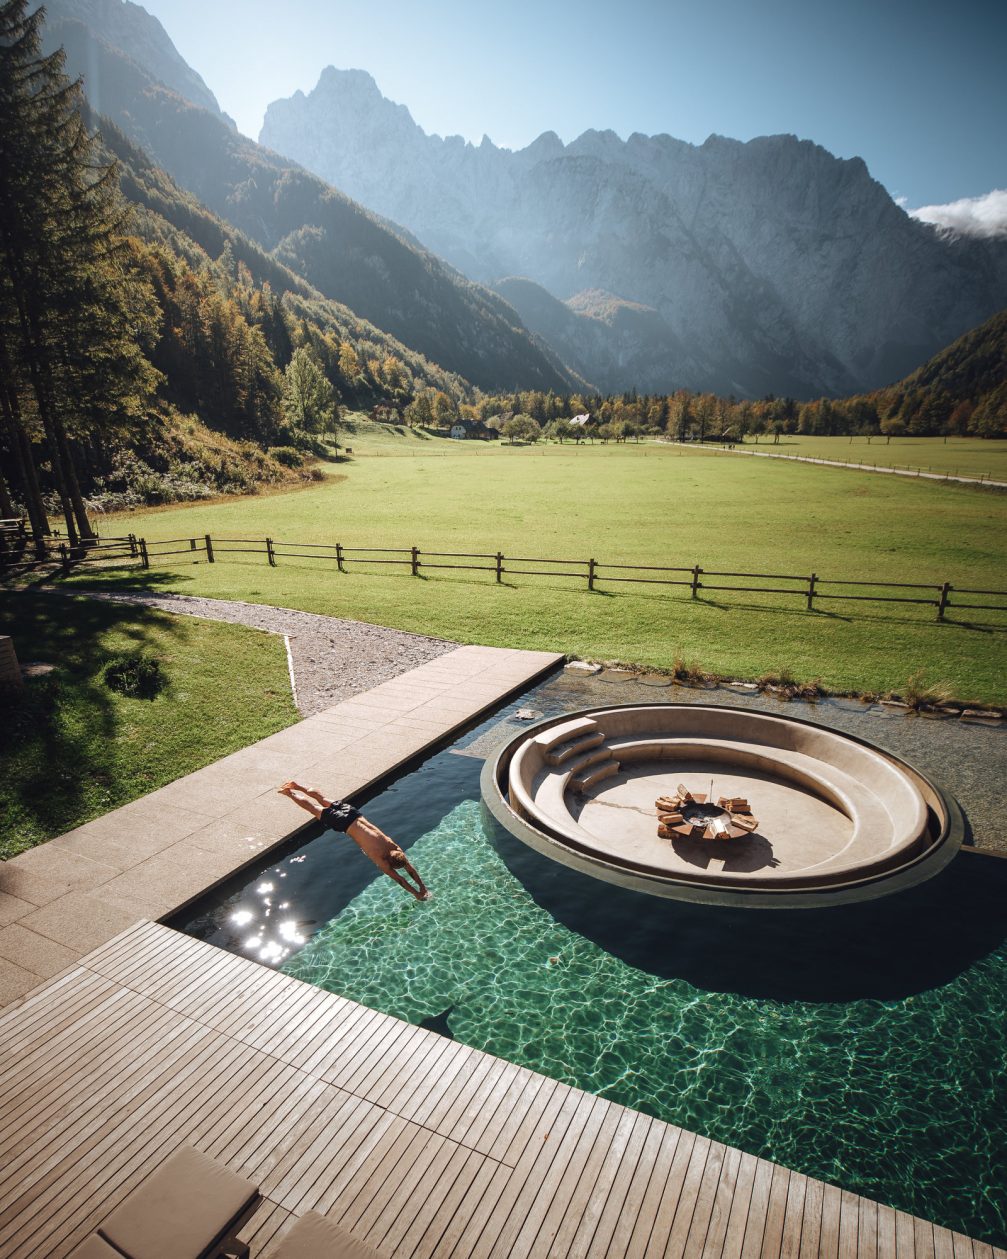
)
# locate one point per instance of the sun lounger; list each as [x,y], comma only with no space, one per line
[190,1207]
[315,1237]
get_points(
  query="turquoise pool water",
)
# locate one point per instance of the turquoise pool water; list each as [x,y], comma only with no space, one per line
[902,1100]
[865,1045]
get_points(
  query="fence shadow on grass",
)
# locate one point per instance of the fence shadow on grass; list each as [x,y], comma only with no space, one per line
[57,734]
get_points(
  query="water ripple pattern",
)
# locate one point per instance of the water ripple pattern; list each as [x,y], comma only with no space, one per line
[900,1100]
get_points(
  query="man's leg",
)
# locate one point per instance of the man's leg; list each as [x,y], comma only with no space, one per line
[307,798]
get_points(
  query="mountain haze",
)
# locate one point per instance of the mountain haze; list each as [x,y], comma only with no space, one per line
[345,252]
[770,266]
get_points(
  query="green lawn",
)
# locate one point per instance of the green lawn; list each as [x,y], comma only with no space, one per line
[72,748]
[635,504]
[969,456]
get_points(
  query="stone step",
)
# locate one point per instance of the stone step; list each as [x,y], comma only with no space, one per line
[585,781]
[561,753]
[565,731]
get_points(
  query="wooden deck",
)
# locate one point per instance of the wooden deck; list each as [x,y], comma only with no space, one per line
[417,1144]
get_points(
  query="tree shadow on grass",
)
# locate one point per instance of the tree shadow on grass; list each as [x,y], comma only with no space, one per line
[57,734]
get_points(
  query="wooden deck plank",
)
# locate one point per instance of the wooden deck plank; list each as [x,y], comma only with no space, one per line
[828,1241]
[405,1223]
[944,1242]
[588,1202]
[849,1225]
[156,1040]
[905,1236]
[474,1111]
[119,1152]
[734,1234]
[963,1246]
[779,1196]
[716,1228]
[518,1122]
[86,1113]
[674,1221]
[575,1183]
[886,1233]
[448,1084]
[266,1229]
[696,1238]
[66,1105]
[514,1233]
[793,1219]
[390,1160]
[811,1224]
[114,1165]
[46,1078]
[867,1232]
[426,1230]
[619,1235]
[758,1210]
[460,1237]
[402,1195]
[674,1143]
[923,1239]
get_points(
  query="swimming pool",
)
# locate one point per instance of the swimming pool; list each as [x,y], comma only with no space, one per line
[866,1045]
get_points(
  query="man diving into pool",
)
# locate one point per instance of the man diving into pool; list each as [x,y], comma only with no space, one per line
[339,816]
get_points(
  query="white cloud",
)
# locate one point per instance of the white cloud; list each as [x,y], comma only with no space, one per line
[971,216]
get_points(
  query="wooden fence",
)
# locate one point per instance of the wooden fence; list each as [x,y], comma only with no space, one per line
[813,588]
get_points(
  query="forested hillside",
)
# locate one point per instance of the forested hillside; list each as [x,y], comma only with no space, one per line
[342,250]
[151,352]
[960,391]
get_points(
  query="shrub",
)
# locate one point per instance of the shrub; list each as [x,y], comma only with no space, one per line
[135,674]
[289,456]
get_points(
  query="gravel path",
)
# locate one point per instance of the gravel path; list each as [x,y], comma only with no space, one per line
[331,658]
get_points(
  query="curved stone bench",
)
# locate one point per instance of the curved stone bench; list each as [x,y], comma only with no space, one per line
[888,815]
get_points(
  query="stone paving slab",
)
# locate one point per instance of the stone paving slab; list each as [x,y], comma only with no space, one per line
[146,860]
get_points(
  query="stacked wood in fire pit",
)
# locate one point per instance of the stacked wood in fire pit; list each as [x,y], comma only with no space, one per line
[680,815]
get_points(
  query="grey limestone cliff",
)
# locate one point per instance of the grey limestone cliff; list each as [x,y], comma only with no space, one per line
[767,266]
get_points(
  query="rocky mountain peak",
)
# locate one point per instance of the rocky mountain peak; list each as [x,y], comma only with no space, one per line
[137,33]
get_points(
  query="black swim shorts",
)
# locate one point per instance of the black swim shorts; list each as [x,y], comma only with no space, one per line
[339,816]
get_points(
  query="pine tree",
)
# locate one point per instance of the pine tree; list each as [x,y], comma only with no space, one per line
[73,321]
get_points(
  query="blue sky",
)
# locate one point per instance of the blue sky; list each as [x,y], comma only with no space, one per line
[918,89]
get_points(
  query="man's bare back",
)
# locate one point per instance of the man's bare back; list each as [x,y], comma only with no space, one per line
[374,843]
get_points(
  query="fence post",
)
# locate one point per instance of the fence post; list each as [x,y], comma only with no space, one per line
[811,591]
[64,559]
[590,573]
[415,561]
[339,557]
[695,580]
[132,545]
[500,560]
[270,555]
[942,602]
[192,544]
[144,557]
[209,549]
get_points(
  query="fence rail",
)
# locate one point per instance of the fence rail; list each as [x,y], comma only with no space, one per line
[812,587]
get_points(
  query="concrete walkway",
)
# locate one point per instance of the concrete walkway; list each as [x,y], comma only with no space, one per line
[66,897]
[915,473]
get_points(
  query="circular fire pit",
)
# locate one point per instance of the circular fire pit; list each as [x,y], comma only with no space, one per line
[656,797]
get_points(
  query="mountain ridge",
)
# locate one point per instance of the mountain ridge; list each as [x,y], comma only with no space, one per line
[777,266]
[348,253]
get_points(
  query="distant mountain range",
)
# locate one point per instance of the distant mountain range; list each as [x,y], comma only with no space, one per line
[344,251]
[770,266]
[649,264]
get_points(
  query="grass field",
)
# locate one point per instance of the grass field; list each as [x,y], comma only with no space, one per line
[72,748]
[635,504]
[968,456]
